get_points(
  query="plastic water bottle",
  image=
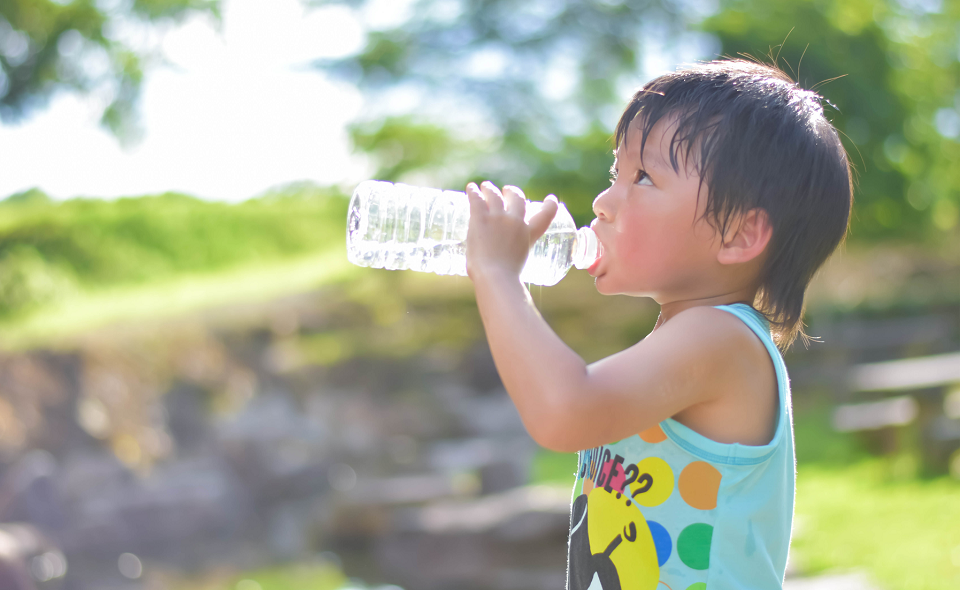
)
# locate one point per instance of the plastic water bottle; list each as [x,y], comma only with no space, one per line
[397,226]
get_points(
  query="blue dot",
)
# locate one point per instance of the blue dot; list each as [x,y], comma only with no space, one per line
[661,540]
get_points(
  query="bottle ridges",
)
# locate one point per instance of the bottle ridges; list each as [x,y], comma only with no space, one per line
[400,227]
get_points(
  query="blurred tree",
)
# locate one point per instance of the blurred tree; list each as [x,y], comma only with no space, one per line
[525,93]
[81,45]
[528,93]
[897,104]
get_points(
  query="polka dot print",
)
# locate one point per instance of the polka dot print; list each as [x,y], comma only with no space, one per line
[653,435]
[653,483]
[693,546]
[699,483]
[662,541]
[633,488]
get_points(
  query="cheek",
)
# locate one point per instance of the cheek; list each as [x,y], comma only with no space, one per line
[636,249]
[641,236]
[640,245]
[661,241]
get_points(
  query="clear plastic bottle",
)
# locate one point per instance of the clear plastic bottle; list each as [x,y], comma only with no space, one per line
[398,226]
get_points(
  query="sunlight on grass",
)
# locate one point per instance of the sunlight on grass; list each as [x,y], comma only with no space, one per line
[322,576]
[905,533]
[292,578]
[52,324]
[549,467]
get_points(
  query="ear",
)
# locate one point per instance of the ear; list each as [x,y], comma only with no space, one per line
[748,240]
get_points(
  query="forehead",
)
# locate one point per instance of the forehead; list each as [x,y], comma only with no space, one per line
[657,146]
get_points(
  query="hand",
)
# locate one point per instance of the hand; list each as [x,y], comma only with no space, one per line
[498,238]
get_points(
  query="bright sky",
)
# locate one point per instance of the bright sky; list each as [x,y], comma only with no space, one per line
[237,112]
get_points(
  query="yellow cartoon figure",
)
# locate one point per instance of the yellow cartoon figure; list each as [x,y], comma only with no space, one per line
[611,547]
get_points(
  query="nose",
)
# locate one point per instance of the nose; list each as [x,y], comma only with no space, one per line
[603,205]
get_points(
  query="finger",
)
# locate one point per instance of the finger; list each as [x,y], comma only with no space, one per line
[493,196]
[540,221]
[514,200]
[478,206]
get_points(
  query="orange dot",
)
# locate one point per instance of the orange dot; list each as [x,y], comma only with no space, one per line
[699,483]
[653,435]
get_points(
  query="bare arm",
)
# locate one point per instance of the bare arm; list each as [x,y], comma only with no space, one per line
[535,365]
[565,404]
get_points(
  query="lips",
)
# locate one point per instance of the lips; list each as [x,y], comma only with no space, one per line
[593,267]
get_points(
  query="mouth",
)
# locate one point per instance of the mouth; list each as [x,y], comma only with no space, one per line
[592,270]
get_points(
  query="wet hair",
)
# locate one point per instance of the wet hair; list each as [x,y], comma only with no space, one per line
[757,140]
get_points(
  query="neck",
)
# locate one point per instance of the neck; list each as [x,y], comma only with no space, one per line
[671,308]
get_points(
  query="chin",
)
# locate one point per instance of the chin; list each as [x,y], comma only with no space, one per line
[599,284]
[605,288]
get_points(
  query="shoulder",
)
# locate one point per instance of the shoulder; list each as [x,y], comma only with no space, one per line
[692,360]
[706,328]
[717,341]
[741,405]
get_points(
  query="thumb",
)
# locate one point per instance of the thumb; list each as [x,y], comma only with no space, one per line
[540,221]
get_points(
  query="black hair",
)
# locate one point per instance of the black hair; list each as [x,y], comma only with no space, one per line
[758,140]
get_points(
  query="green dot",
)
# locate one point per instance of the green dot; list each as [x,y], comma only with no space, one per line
[693,546]
[697,586]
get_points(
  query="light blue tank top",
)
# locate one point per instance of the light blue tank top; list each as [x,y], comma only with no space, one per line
[670,508]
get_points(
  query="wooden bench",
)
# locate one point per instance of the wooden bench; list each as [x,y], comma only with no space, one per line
[924,390]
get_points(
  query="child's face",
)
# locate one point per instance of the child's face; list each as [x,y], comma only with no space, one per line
[650,223]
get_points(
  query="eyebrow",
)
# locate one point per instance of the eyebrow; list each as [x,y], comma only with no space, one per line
[654,158]
[650,156]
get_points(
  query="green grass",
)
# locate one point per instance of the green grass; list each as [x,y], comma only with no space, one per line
[56,323]
[51,251]
[68,267]
[139,238]
[905,533]
[553,468]
[297,577]
[320,576]
[855,510]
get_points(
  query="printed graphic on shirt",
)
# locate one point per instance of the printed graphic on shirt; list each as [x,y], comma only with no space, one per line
[612,548]
[613,544]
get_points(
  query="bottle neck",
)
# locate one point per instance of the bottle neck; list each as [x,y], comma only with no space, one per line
[586,249]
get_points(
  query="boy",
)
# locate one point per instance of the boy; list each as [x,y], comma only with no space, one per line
[730,189]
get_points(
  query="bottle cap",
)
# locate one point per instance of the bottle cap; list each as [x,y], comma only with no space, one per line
[586,250]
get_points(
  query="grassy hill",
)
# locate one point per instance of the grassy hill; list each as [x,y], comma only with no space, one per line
[67,266]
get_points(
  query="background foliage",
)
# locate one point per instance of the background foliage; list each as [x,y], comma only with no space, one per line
[896,103]
[528,94]
[48,45]
[543,86]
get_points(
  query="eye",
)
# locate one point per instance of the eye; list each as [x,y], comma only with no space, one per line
[613,173]
[643,178]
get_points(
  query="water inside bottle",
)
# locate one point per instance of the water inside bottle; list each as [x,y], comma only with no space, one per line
[401,227]
[552,255]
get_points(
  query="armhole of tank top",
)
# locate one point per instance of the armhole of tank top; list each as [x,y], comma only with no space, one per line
[736,453]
